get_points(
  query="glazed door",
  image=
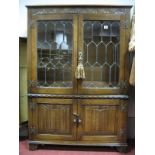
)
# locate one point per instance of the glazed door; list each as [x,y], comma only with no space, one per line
[53,54]
[101,40]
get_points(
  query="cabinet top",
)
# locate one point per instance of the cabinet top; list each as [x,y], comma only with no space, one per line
[81,6]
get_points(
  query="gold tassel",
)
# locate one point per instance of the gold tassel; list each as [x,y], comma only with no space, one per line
[80,73]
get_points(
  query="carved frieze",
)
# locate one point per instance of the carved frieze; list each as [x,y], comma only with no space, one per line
[73,10]
[124,97]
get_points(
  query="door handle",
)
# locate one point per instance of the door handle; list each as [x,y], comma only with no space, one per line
[80,73]
[79,121]
[76,119]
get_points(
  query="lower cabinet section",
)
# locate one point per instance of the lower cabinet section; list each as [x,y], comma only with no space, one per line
[77,121]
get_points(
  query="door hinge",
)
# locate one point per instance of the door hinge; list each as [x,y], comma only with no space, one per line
[33,130]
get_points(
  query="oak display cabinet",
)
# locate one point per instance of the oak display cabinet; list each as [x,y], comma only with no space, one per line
[65,110]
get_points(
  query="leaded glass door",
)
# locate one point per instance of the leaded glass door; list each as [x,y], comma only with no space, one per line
[54,54]
[101,41]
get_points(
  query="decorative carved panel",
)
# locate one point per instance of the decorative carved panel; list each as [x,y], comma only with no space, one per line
[98,119]
[54,119]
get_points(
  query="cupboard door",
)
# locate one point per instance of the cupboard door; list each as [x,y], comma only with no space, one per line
[102,40]
[52,119]
[102,120]
[53,54]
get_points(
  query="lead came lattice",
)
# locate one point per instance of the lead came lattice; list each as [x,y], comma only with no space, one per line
[101,53]
[54,47]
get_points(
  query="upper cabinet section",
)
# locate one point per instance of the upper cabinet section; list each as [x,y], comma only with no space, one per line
[56,36]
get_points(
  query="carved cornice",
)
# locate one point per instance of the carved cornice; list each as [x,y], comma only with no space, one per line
[79,10]
[80,96]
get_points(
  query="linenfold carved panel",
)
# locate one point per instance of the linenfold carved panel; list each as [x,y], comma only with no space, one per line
[54,119]
[99,119]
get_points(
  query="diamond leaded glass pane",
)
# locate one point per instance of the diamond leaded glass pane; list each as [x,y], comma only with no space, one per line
[101,53]
[54,49]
